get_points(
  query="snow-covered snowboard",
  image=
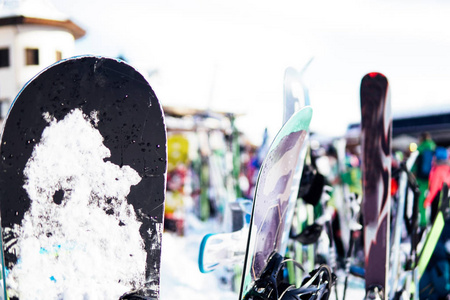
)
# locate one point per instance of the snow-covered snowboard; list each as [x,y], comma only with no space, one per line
[83,174]
[270,223]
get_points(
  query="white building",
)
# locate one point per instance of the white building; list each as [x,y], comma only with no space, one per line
[33,35]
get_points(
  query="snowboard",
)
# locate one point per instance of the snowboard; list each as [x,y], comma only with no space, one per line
[269,225]
[227,248]
[376,128]
[83,177]
[296,96]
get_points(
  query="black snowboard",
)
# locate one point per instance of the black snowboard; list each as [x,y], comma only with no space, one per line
[82,173]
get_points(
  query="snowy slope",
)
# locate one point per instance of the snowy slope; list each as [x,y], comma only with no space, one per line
[180,276]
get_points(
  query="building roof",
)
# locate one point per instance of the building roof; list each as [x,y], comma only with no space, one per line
[412,125]
[37,12]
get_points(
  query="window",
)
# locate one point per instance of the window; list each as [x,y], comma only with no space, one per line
[58,55]
[31,57]
[4,57]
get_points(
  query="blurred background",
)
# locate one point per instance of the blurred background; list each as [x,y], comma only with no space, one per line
[218,67]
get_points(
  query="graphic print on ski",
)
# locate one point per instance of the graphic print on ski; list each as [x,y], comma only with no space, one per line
[83,163]
[376,127]
[272,195]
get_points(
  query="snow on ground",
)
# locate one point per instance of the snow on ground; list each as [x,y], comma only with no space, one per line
[355,288]
[180,276]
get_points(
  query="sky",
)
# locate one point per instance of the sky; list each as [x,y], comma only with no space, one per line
[231,55]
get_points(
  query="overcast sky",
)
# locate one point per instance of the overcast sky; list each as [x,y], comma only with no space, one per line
[231,55]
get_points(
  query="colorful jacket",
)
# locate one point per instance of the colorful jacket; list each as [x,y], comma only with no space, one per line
[439,174]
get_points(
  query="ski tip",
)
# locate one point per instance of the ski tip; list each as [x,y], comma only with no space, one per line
[300,120]
[375,75]
[374,80]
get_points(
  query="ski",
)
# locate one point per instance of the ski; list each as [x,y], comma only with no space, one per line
[267,233]
[354,202]
[83,176]
[406,185]
[376,128]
